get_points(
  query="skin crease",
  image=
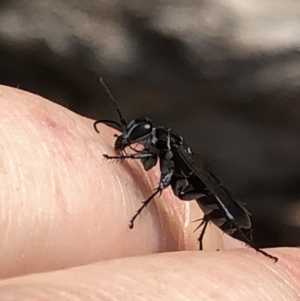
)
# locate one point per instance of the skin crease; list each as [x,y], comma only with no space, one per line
[64,222]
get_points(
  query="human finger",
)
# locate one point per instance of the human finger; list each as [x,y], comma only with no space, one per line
[63,204]
[241,275]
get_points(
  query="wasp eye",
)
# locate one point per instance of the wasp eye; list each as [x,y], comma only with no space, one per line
[140,128]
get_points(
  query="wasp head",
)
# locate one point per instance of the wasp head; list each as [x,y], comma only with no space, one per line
[138,131]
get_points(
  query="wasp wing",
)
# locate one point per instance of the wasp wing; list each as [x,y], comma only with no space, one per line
[233,209]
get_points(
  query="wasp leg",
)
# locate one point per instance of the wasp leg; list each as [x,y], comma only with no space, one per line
[144,205]
[242,236]
[167,169]
[137,156]
[203,223]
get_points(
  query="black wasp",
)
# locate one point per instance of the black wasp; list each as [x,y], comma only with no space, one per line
[185,172]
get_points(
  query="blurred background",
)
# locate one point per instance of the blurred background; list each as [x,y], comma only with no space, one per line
[224,75]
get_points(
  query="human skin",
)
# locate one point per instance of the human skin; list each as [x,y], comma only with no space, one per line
[64,222]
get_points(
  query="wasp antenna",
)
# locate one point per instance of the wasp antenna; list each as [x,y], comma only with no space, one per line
[114,101]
